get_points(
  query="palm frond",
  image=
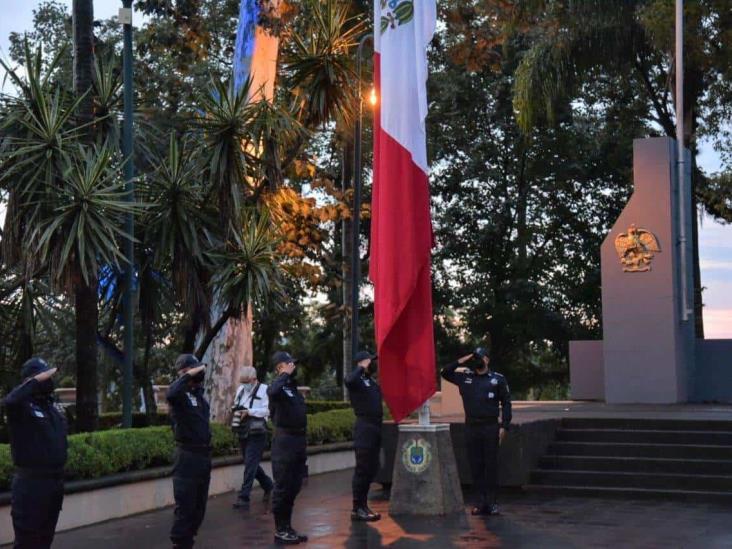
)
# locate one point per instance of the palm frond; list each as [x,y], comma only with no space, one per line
[249,271]
[319,66]
[85,227]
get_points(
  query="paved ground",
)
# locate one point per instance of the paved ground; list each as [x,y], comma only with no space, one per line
[535,521]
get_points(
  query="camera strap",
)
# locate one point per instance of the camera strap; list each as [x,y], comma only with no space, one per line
[254,395]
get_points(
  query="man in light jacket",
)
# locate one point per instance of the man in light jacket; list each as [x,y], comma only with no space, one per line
[251,405]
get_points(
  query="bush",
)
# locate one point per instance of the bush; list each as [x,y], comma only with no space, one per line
[113,420]
[332,426]
[317,406]
[93,455]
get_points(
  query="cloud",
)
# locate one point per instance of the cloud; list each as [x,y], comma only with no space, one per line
[718,323]
[715,265]
[714,235]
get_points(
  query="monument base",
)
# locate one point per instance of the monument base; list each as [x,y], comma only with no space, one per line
[425,479]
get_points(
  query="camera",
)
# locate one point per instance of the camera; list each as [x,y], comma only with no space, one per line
[237,416]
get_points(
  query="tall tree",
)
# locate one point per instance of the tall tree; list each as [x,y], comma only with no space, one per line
[519,222]
[85,298]
[633,39]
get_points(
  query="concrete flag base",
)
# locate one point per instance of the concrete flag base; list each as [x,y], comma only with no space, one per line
[425,478]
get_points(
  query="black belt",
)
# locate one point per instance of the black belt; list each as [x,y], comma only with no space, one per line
[290,431]
[25,472]
[376,420]
[481,420]
[195,448]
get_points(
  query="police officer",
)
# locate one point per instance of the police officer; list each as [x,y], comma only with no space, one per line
[482,391]
[192,470]
[287,408]
[365,395]
[38,445]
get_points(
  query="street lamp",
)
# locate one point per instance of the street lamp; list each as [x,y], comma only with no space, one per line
[355,254]
[125,16]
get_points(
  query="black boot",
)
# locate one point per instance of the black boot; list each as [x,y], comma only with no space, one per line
[377,515]
[282,535]
[241,503]
[364,514]
[301,538]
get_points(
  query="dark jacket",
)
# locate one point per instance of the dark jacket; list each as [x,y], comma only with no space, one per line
[365,394]
[37,429]
[286,404]
[482,394]
[190,413]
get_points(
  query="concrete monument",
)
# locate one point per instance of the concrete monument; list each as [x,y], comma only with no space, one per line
[648,353]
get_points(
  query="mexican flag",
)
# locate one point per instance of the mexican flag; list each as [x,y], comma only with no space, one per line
[401,228]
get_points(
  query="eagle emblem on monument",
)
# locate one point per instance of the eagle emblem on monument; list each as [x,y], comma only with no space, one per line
[636,249]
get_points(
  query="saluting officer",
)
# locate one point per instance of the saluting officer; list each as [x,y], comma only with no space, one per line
[192,470]
[38,445]
[288,412]
[365,395]
[482,391]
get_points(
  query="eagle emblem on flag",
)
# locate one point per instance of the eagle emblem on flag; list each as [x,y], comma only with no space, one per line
[395,13]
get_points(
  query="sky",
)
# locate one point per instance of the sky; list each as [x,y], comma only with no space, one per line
[715,240]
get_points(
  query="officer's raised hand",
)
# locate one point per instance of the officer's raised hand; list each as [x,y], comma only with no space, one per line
[43,376]
[463,360]
[193,371]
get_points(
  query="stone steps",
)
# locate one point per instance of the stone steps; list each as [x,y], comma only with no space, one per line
[637,464]
[679,459]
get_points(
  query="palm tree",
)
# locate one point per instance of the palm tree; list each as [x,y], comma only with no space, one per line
[82,17]
[319,73]
[65,205]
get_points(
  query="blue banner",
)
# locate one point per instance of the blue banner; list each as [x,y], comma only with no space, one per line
[244,45]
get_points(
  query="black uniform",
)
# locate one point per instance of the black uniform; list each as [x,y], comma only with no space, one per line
[365,396]
[482,395]
[192,470]
[289,456]
[38,446]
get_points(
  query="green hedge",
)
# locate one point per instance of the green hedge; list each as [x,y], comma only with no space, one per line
[317,406]
[113,420]
[332,426]
[102,453]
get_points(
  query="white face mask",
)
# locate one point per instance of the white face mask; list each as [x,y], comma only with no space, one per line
[249,385]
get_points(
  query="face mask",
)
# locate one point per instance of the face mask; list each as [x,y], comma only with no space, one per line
[44,387]
[373,367]
[248,386]
[199,377]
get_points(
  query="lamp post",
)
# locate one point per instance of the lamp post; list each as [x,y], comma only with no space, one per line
[125,16]
[355,253]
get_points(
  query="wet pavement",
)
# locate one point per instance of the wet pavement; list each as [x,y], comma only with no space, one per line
[528,520]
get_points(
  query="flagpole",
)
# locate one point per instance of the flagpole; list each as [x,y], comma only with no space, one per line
[681,160]
[356,214]
[129,246]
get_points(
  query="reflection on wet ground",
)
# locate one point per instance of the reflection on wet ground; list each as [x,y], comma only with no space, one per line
[528,520]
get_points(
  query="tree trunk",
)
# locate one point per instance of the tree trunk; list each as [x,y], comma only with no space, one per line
[231,349]
[228,353]
[87,315]
[83,30]
[143,378]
